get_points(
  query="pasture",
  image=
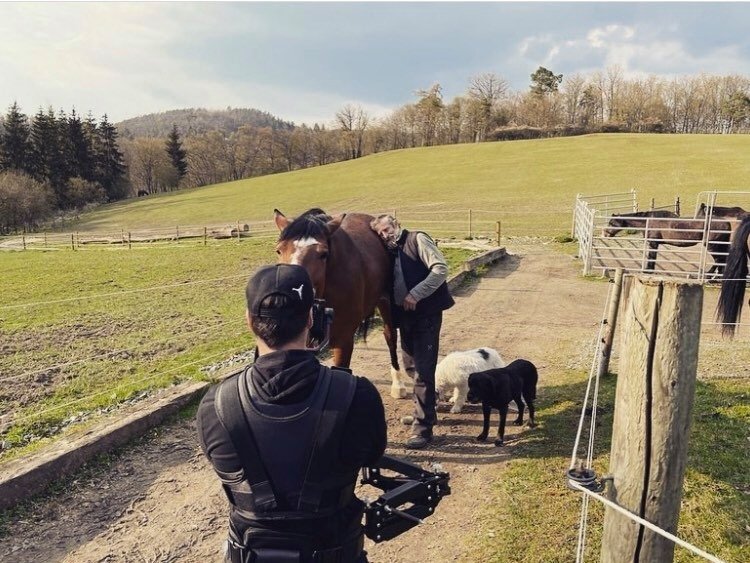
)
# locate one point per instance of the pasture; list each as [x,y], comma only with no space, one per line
[528,185]
[81,332]
[146,318]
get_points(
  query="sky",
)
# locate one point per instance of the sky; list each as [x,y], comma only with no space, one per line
[302,62]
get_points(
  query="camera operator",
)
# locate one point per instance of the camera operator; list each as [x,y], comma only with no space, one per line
[288,436]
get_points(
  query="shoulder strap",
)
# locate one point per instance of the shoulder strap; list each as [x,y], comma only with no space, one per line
[325,449]
[229,409]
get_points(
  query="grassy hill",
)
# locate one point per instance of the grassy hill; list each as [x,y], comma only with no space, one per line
[529,185]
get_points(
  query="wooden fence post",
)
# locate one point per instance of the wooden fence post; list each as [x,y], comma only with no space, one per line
[654,400]
[609,329]
[653,203]
[498,232]
[23,238]
[205,235]
[469,223]
[130,245]
[677,205]
[238,230]
[72,241]
[177,233]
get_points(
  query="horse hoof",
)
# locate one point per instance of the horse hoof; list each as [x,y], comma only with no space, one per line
[398,391]
[499,443]
[481,438]
[455,410]
[518,423]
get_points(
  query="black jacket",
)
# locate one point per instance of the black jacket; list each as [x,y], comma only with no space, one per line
[288,377]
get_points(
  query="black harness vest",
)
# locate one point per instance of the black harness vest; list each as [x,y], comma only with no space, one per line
[289,452]
[290,459]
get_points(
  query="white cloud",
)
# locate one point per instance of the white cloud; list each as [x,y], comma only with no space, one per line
[637,50]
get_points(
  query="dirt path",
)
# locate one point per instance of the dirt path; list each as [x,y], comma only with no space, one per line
[160,502]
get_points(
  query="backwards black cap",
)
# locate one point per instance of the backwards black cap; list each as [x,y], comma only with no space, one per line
[289,280]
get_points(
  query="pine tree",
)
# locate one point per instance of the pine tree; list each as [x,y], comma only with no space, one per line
[81,165]
[544,81]
[110,166]
[177,155]
[14,141]
[66,160]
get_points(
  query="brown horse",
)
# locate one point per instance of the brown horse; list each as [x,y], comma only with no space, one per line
[661,227]
[349,268]
[732,293]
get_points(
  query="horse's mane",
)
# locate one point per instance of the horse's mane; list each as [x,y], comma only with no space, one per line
[312,223]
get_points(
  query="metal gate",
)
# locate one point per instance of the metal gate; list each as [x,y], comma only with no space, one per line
[630,249]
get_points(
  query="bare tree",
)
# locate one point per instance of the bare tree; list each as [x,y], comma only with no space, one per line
[429,109]
[486,89]
[353,121]
[572,90]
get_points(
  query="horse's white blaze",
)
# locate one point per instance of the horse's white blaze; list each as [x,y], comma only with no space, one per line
[299,249]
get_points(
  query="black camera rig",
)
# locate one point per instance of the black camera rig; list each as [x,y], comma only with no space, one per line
[408,497]
[320,332]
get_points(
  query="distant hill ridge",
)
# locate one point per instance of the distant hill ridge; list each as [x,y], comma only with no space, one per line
[192,121]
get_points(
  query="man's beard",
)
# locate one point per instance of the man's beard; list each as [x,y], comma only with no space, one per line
[392,241]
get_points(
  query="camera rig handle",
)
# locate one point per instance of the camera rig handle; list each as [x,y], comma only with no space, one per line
[386,517]
[320,332]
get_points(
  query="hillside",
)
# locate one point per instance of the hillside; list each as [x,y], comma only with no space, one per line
[529,185]
[198,120]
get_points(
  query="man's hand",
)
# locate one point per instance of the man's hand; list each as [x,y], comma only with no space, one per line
[409,303]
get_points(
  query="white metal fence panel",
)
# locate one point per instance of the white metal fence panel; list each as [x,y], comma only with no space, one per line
[676,246]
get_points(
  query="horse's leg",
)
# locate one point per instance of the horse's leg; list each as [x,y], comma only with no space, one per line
[715,266]
[342,344]
[651,264]
[398,390]
[717,250]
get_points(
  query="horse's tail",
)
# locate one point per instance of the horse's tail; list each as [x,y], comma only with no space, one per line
[729,309]
[364,326]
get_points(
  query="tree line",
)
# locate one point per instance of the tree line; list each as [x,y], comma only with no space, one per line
[488,110]
[66,162]
[58,162]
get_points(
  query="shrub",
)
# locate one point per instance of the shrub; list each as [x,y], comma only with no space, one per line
[24,202]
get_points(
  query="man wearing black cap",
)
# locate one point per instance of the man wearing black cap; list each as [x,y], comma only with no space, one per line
[288,436]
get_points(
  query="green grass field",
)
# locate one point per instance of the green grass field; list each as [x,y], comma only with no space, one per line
[81,332]
[528,185]
[150,316]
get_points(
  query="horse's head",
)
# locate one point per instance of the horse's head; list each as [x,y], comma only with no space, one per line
[306,241]
[615,225]
[701,211]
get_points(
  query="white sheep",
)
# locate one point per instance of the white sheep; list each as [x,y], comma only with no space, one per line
[453,372]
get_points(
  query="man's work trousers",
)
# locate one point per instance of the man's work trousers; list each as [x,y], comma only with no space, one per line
[420,338]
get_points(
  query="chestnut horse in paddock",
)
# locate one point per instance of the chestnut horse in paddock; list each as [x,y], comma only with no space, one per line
[349,268]
[734,279]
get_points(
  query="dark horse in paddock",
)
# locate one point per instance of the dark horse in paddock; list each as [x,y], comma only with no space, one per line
[733,285]
[661,227]
[350,268]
